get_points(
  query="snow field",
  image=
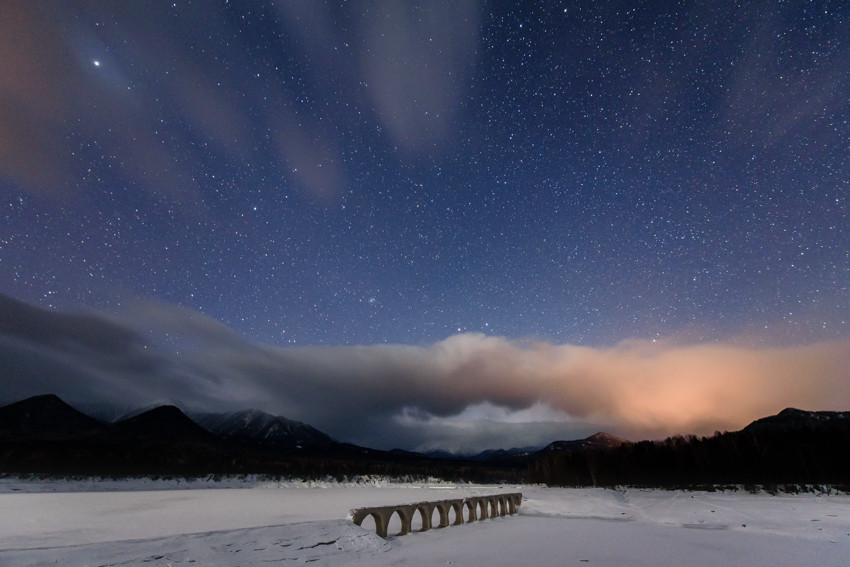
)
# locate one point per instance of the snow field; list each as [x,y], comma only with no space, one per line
[298,523]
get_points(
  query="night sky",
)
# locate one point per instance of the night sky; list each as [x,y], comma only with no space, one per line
[538,177]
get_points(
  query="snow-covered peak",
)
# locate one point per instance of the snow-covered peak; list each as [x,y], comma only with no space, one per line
[262,427]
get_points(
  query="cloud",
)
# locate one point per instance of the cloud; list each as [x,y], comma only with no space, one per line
[416,60]
[469,390]
[36,85]
[59,86]
[71,78]
[484,425]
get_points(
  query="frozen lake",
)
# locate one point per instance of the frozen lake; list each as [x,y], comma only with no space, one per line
[237,523]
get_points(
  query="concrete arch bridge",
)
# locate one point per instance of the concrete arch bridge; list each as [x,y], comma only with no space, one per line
[475,507]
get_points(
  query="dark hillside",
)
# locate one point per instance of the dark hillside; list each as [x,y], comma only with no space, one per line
[46,436]
[44,417]
[599,440]
[163,424]
[793,447]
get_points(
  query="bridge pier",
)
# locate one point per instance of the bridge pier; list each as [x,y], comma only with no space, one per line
[472,505]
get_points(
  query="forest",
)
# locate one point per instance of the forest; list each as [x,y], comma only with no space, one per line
[792,448]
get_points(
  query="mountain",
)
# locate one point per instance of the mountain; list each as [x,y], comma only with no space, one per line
[263,428]
[526,454]
[162,424]
[792,448]
[792,419]
[599,440]
[45,417]
[44,435]
[125,415]
[442,454]
[516,454]
[513,454]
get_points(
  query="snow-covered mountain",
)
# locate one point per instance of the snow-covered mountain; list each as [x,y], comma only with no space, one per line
[258,426]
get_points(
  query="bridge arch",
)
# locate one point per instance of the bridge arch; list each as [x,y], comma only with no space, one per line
[436,516]
[405,514]
[381,520]
[423,511]
[443,518]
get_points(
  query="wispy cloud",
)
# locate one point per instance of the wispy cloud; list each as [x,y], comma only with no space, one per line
[467,390]
[416,69]
[68,75]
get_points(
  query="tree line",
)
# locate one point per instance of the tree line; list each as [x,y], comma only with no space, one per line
[805,456]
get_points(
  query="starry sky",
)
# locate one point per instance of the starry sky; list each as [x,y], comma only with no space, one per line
[354,176]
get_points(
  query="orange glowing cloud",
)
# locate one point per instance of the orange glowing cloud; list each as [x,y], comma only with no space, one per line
[639,389]
[399,393]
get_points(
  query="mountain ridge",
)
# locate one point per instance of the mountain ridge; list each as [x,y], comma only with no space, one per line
[43,434]
[261,427]
[164,440]
[599,440]
[791,419]
[792,448]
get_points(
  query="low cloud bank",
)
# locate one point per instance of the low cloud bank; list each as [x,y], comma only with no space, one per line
[467,391]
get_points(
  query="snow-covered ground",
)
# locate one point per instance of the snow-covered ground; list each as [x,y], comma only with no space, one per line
[236,522]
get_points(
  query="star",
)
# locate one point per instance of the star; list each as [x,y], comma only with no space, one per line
[585,175]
